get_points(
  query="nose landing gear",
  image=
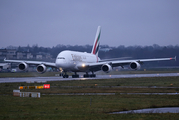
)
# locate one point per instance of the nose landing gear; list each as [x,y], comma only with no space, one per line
[65,75]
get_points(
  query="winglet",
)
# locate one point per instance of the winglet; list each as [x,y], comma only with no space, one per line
[174,58]
[4,59]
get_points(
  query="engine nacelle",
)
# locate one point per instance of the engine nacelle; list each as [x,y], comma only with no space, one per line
[23,66]
[134,65]
[106,68]
[41,68]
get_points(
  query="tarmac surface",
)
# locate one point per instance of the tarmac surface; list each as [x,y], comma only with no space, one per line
[57,78]
[151,110]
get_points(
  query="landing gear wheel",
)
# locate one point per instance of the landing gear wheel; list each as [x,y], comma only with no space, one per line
[65,76]
[75,76]
[93,75]
[86,76]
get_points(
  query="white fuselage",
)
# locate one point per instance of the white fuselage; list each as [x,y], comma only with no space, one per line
[72,60]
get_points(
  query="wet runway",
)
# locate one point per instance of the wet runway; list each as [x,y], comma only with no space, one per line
[45,79]
[151,110]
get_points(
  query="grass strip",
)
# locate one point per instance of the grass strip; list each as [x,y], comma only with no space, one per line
[92,106]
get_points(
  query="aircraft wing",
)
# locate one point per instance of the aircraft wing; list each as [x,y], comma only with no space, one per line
[112,59]
[114,63]
[49,64]
[140,61]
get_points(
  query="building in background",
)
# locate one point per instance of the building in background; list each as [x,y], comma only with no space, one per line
[14,54]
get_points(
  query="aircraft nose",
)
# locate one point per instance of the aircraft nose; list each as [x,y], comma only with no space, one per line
[60,63]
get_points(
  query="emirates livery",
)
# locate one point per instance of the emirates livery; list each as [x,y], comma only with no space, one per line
[74,61]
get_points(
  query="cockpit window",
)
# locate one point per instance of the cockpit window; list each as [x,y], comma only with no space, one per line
[60,58]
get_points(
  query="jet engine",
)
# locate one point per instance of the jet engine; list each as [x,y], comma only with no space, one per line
[106,68]
[134,65]
[23,66]
[41,68]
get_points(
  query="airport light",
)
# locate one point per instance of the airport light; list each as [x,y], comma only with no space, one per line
[39,87]
[46,86]
[21,87]
[31,87]
[83,65]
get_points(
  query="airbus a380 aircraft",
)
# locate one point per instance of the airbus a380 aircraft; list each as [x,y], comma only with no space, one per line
[83,62]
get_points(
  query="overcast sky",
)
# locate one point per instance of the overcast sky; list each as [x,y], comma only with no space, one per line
[74,22]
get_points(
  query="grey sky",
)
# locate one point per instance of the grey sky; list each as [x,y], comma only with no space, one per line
[74,22]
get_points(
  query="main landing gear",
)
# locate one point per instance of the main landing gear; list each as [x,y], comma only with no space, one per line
[85,75]
[89,75]
[75,75]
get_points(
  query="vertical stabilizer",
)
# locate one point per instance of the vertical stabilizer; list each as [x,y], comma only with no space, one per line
[95,49]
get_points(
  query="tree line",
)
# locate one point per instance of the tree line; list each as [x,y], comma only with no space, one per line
[132,52]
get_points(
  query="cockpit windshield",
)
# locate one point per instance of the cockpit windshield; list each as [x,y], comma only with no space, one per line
[60,58]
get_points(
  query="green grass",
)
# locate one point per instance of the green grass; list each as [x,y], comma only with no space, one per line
[78,107]
[88,86]
[90,107]
[149,81]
